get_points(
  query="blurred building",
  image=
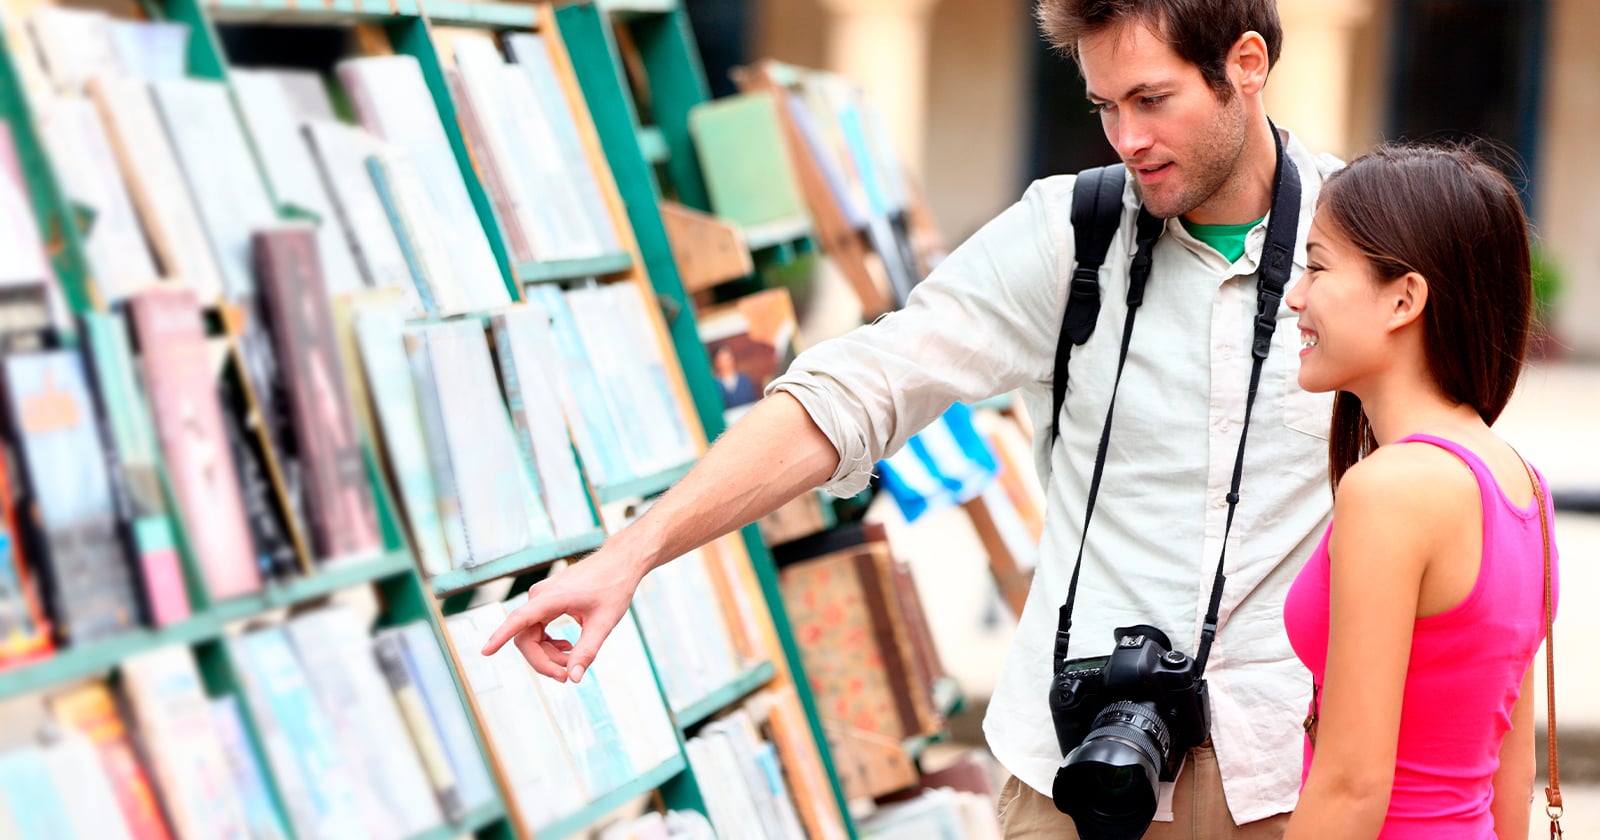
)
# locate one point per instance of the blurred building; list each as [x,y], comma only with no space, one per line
[981,107]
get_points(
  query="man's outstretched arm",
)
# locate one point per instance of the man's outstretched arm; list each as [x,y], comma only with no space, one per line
[774,453]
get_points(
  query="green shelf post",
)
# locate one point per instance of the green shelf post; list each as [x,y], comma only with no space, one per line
[677,83]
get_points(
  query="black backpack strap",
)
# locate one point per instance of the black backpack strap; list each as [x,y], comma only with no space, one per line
[1096,215]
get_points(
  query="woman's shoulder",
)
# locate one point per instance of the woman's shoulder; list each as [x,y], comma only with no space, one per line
[1408,479]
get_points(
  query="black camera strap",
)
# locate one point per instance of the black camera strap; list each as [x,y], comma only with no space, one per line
[1277,256]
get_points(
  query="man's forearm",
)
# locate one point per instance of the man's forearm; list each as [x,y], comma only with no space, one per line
[774,453]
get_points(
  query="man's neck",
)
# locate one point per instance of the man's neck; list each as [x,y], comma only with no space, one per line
[1247,195]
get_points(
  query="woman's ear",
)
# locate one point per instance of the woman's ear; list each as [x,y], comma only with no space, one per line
[1409,295]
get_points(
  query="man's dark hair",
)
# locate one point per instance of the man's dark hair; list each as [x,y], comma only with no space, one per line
[1200,31]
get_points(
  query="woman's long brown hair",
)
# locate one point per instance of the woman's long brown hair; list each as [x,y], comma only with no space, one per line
[1446,214]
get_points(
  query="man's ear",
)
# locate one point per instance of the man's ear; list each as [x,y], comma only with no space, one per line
[1248,63]
[1409,297]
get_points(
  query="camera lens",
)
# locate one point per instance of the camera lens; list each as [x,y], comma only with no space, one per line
[1108,785]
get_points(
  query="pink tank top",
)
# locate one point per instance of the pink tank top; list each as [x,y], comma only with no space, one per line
[1465,673]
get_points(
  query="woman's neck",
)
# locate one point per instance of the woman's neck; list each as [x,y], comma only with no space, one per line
[1405,406]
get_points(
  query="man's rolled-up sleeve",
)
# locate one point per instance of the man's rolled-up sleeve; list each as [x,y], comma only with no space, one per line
[983,323]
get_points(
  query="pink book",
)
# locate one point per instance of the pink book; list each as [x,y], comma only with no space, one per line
[188,418]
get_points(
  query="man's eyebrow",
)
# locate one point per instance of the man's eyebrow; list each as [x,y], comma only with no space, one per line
[1136,90]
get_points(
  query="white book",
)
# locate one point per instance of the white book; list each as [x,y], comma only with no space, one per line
[420,232]
[618,372]
[221,172]
[570,224]
[76,139]
[504,155]
[335,651]
[624,672]
[764,774]
[542,780]
[530,372]
[341,154]
[155,182]
[308,94]
[171,715]
[291,171]
[635,327]
[75,45]
[22,259]
[75,769]
[30,801]
[394,103]
[728,801]
[426,662]
[151,50]
[584,717]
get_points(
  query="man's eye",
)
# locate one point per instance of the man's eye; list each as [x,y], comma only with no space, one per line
[1100,107]
[1152,101]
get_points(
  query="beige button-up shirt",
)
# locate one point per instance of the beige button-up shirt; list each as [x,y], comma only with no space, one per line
[985,323]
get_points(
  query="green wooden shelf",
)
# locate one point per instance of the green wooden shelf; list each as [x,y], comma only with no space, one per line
[741,687]
[487,15]
[86,660]
[472,822]
[513,564]
[645,487]
[580,822]
[792,232]
[310,13]
[553,271]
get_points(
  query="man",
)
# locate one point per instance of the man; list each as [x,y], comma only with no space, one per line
[1178,85]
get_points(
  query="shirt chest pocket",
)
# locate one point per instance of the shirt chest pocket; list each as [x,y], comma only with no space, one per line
[1303,411]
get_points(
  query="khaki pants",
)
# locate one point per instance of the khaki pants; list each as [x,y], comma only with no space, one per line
[1198,810]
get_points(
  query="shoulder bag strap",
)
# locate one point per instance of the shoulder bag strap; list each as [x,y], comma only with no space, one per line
[1552,794]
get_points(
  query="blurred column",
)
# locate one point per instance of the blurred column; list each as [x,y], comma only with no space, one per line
[883,45]
[1309,89]
[1568,216]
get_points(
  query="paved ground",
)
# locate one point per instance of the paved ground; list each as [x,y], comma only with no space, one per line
[1554,420]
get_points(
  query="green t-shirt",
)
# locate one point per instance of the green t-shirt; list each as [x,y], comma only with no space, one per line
[1228,240]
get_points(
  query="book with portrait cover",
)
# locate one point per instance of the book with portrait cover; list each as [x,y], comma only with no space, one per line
[90,586]
[182,386]
[340,513]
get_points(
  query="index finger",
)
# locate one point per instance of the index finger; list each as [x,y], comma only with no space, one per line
[526,617]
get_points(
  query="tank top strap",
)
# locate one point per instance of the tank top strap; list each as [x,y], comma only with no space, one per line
[1488,486]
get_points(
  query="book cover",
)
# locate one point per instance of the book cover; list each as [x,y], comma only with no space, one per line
[308,94]
[380,336]
[530,376]
[477,135]
[390,649]
[418,230]
[392,790]
[643,423]
[155,182]
[90,585]
[750,342]
[245,771]
[657,369]
[188,420]
[22,259]
[36,806]
[340,512]
[221,172]
[24,628]
[170,712]
[593,429]
[301,746]
[75,769]
[341,154]
[431,415]
[279,552]
[90,711]
[425,660]
[135,471]
[585,717]
[75,44]
[151,50]
[569,231]
[392,100]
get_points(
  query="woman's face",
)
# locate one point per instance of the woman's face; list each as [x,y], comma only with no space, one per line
[1344,316]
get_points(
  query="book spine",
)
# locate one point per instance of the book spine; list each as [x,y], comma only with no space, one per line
[389,648]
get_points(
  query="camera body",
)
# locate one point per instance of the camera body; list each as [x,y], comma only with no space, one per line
[1142,674]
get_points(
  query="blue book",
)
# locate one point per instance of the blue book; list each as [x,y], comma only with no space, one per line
[244,768]
[593,428]
[432,676]
[33,802]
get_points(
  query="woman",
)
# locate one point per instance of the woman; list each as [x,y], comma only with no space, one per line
[1420,613]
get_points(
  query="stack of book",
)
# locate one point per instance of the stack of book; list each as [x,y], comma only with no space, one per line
[751,798]
[360,737]
[940,812]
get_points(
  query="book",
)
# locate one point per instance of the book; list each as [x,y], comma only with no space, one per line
[594,431]
[392,790]
[418,230]
[750,342]
[155,182]
[275,541]
[32,799]
[308,94]
[135,469]
[89,710]
[119,261]
[22,258]
[151,50]
[89,585]
[475,131]
[380,335]
[390,649]
[291,172]
[24,628]
[390,98]
[431,416]
[214,154]
[170,712]
[657,370]
[244,770]
[75,44]
[74,766]
[530,375]
[431,674]
[188,419]
[301,746]
[341,154]
[340,511]
[670,604]
[540,778]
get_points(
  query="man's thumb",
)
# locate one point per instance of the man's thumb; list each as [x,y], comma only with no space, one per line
[585,650]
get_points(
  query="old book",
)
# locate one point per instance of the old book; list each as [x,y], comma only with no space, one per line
[155,183]
[392,100]
[151,50]
[170,712]
[22,259]
[425,661]
[76,139]
[35,805]
[418,231]
[75,769]
[75,45]
[586,721]
[501,512]
[308,94]
[90,711]
[221,172]
[812,790]
[245,772]
[677,601]
[24,627]
[291,171]
[90,586]
[392,790]
[278,547]
[146,521]
[594,430]
[340,512]
[479,138]
[380,335]
[341,154]
[390,649]
[530,375]
[431,416]
[656,370]
[188,418]
[750,342]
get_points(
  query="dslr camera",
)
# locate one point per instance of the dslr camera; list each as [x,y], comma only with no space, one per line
[1125,721]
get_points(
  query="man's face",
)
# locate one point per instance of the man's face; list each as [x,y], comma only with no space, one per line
[1175,135]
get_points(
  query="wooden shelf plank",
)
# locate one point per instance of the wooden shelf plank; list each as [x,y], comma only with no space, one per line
[640,488]
[484,15]
[514,564]
[578,823]
[471,823]
[556,270]
[741,687]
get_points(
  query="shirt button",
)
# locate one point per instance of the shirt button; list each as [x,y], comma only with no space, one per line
[1225,352]
[1222,426]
